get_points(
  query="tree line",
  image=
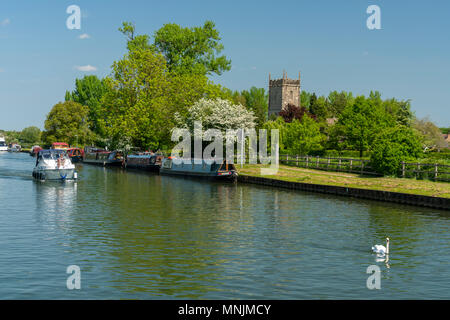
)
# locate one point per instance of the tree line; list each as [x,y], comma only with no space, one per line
[163,82]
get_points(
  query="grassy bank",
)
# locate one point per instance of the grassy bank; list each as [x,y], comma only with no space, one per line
[295,174]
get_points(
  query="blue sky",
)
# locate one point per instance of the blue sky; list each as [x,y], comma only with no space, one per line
[327,41]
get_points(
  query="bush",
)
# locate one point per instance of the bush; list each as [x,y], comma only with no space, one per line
[391,147]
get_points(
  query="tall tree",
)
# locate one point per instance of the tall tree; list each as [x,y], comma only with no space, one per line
[338,101]
[318,107]
[89,92]
[256,100]
[360,123]
[68,122]
[30,135]
[192,50]
[143,96]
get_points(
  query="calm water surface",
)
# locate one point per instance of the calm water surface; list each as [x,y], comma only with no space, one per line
[138,235]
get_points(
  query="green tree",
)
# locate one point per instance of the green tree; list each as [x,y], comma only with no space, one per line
[192,50]
[68,122]
[134,42]
[392,146]
[30,135]
[400,110]
[143,96]
[338,101]
[360,123]
[318,107]
[256,100]
[89,91]
[305,98]
[303,137]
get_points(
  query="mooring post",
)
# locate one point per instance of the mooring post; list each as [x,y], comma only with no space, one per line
[435,171]
[403,169]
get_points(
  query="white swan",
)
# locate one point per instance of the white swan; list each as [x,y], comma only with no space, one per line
[380,249]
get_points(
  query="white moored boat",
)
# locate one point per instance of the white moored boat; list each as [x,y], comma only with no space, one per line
[3,146]
[54,165]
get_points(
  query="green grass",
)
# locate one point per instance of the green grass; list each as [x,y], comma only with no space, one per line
[351,180]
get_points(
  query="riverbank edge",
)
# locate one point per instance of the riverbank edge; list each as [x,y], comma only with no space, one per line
[387,196]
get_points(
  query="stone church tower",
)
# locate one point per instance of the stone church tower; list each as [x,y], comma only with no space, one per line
[282,92]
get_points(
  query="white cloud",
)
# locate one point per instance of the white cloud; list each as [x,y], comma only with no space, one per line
[5,22]
[84,36]
[1,70]
[87,68]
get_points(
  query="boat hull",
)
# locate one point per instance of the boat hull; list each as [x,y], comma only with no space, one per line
[55,174]
[105,163]
[189,174]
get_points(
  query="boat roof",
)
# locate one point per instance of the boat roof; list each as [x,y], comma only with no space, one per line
[60,143]
[51,151]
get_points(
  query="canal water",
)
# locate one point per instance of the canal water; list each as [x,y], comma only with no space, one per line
[140,235]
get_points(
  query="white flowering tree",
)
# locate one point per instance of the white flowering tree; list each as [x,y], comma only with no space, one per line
[217,114]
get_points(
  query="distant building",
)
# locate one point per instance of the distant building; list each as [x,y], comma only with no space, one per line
[283,92]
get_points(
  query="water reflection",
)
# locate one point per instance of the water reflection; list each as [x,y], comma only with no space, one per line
[141,235]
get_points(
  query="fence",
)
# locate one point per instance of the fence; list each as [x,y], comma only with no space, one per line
[436,172]
[360,166]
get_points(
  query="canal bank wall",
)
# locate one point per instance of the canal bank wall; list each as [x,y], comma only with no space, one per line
[396,197]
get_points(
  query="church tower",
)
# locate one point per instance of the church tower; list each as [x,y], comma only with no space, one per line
[283,92]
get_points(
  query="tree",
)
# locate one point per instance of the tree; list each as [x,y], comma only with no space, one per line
[303,136]
[30,135]
[143,96]
[217,114]
[360,123]
[291,112]
[430,135]
[392,146]
[400,110]
[338,101]
[318,107]
[305,98]
[192,50]
[89,92]
[134,42]
[256,100]
[68,122]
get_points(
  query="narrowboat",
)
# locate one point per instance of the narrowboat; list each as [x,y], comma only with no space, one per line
[3,146]
[216,170]
[60,146]
[54,165]
[75,154]
[148,161]
[103,157]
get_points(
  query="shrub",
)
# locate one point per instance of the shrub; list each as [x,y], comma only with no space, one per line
[391,147]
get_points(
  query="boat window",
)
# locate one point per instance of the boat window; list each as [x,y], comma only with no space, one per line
[2,144]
